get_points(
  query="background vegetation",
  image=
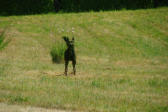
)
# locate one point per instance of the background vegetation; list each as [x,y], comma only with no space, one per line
[122,61]
[87,5]
[17,7]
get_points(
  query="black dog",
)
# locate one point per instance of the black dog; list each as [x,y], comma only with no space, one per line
[69,54]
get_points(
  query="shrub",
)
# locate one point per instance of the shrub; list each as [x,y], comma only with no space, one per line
[57,52]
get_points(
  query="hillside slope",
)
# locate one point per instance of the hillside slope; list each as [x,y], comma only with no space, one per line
[122,61]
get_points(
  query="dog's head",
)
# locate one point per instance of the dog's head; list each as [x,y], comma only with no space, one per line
[70,43]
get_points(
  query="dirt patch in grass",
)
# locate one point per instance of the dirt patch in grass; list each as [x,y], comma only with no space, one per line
[16,108]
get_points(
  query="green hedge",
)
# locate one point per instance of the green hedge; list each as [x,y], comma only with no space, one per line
[9,7]
[96,5]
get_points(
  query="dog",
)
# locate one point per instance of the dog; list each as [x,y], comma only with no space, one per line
[69,54]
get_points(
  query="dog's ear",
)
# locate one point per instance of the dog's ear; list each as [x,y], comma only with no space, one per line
[65,38]
[73,39]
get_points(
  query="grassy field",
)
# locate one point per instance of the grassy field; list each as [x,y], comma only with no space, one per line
[122,61]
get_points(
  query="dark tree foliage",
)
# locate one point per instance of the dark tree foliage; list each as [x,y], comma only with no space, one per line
[17,7]
[96,5]
[10,7]
[57,5]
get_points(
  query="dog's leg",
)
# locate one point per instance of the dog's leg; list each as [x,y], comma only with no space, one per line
[74,69]
[66,67]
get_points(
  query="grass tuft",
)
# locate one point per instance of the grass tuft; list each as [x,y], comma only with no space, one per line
[3,43]
[57,52]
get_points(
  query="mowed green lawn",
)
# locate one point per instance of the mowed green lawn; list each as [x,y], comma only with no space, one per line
[122,61]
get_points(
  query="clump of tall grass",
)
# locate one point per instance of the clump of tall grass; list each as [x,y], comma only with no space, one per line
[57,52]
[3,43]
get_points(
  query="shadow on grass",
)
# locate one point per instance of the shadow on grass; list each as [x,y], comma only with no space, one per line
[52,73]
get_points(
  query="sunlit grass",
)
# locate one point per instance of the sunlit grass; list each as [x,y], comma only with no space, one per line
[122,61]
